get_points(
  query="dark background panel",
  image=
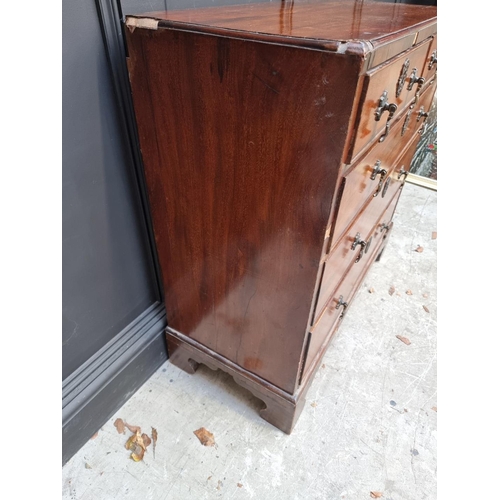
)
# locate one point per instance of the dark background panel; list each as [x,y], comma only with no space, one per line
[139,6]
[108,278]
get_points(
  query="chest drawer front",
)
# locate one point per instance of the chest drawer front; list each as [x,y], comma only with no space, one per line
[387,90]
[344,293]
[415,117]
[367,179]
[354,247]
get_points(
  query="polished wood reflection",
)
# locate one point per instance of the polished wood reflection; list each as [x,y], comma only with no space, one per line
[316,20]
[241,158]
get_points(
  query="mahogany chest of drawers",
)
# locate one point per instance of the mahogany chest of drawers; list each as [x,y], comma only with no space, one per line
[276,138]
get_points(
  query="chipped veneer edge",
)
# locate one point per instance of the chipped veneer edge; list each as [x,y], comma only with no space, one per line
[141,22]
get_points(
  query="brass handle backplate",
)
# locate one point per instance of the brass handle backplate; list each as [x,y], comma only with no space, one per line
[402,77]
[406,123]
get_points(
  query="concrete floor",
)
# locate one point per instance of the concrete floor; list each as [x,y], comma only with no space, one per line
[369,424]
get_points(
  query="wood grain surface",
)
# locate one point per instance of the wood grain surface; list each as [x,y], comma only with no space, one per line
[328,24]
[247,116]
[242,145]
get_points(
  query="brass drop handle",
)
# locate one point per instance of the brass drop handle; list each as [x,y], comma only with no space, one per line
[433,60]
[406,122]
[358,241]
[415,79]
[384,105]
[343,304]
[385,227]
[403,172]
[376,171]
[422,114]
[422,129]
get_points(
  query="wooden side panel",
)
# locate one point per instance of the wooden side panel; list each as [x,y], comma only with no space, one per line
[241,144]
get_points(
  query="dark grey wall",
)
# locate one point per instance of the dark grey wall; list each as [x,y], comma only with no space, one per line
[140,6]
[109,278]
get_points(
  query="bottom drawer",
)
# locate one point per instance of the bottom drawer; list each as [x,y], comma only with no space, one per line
[319,333]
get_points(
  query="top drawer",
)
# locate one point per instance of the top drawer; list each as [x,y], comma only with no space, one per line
[386,91]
